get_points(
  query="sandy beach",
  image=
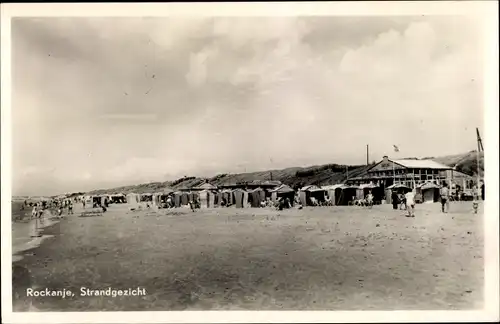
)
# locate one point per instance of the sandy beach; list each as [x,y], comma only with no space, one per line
[324,258]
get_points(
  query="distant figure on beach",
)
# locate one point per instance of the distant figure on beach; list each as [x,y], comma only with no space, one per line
[70,208]
[40,214]
[445,193]
[410,203]
[369,199]
[34,213]
[395,200]
[475,203]
[83,203]
[402,202]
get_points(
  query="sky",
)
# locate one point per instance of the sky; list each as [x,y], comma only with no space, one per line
[103,102]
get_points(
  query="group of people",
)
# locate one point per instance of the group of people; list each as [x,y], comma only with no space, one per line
[38,208]
[407,201]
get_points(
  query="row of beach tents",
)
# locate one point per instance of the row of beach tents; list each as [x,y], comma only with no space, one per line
[213,198]
[339,194]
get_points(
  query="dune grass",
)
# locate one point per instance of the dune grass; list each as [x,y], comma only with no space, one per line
[335,258]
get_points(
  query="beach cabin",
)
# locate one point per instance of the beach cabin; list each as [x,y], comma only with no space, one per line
[177,199]
[256,197]
[161,197]
[98,201]
[240,198]
[342,194]
[310,194]
[207,198]
[117,199]
[132,198]
[227,196]
[88,200]
[330,191]
[146,197]
[184,198]
[364,189]
[193,196]
[283,192]
[428,192]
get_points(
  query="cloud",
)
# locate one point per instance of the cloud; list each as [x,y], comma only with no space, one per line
[133,117]
[110,101]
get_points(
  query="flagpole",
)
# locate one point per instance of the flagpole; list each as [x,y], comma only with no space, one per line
[393,174]
[393,167]
[479,146]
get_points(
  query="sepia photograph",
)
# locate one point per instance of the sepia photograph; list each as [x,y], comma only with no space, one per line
[235,160]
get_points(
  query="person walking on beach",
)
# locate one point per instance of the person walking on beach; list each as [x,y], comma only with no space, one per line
[475,203]
[410,203]
[34,212]
[41,214]
[445,193]
[70,208]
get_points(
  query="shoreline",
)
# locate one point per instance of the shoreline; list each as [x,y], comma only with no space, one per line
[23,257]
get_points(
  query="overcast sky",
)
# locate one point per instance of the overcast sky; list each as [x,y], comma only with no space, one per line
[103,102]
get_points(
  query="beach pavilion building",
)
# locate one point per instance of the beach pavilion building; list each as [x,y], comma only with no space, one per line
[408,172]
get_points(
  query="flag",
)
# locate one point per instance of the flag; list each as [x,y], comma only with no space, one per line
[396,149]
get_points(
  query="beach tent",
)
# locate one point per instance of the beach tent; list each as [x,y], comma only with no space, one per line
[177,198]
[364,189]
[256,197]
[98,200]
[308,192]
[227,195]
[88,200]
[146,197]
[118,198]
[193,196]
[342,194]
[330,190]
[218,198]
[429,192]
[162,196]
[284,192]
[240,198]
[207,198]
[104,199]
[132,198]
[184,198]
